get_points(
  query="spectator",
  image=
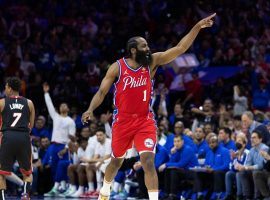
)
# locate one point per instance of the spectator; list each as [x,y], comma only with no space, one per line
[44,182]
[182,158]
[224,137]
[39,130]
[62,172]
[63,129]
[238,157]
[254,162]
[201,143]
[97,164]
[250,124]
[73,170]
[217,163]
[204,115]
[262,178]
[177,115]
[179,130]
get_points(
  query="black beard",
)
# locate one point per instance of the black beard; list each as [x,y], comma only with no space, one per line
[143,58]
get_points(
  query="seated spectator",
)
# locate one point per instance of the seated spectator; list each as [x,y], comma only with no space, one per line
[201,144]
[182,158]
[250,124]
[217,163]
[179,130]
[253,163]
[44,182]
[39,130]
[73,169]
[262,178]
[232,176]
[224,137]
[79,170]
[97,164]
[62,171]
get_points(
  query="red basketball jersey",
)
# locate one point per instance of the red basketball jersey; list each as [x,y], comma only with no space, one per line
[133,90]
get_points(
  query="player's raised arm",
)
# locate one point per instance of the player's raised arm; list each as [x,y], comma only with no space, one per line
[161,58]
[105,86]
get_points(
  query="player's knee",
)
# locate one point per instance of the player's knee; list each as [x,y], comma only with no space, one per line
[116,163]
[148,163]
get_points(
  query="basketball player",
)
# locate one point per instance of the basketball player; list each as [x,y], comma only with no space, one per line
[18,115]
[133,120]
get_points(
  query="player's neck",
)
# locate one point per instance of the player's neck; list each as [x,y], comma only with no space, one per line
[133,64]
[14,94]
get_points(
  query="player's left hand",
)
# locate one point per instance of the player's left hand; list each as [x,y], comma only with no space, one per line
[207,22]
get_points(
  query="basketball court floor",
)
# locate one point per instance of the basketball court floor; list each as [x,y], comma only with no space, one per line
[43,198]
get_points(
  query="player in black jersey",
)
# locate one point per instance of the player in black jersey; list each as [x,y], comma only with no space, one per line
[18,115]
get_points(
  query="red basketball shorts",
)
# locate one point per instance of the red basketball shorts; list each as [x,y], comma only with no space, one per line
[129,129]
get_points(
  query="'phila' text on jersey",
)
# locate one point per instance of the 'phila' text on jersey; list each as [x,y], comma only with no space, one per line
[133,82]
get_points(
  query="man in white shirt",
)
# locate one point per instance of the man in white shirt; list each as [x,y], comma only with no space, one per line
[98,163]
[64,129]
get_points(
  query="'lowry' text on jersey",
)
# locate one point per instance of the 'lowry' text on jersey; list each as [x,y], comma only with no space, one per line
[16,106]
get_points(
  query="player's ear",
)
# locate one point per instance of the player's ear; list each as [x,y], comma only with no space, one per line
[133,50]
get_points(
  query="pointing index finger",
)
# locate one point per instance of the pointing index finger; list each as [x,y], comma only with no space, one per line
[211,16]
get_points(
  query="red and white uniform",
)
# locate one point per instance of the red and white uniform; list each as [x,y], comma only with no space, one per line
[133,120]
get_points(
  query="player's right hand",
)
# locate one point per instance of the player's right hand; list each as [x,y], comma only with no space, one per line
[207,22]
[46,87]
[87,116]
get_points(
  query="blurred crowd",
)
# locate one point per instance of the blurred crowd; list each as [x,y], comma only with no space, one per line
[70,45]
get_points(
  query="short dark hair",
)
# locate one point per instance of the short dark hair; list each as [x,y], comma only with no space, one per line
[227,130]
[101,129]
[131,43]
[258,132]
[81,140]
[14,83]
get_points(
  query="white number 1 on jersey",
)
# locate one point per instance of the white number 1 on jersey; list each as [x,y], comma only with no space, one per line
[144,95]
[17,117]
